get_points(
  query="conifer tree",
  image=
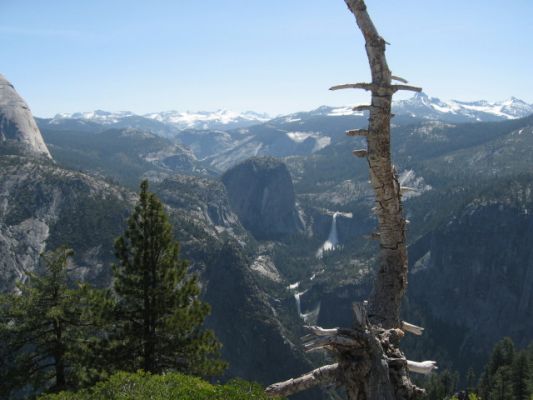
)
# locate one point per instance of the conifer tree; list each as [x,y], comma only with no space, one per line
[501,386]
[158,317]
[43,330]
[508,373]
[520,376]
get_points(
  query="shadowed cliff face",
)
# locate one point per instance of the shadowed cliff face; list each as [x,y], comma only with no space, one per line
[472,281]
[262,195]
[18,130]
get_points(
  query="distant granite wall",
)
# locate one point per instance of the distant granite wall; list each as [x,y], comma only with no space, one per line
[261,193]
[18,130]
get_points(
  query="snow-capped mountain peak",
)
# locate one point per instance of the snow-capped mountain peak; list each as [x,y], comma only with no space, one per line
[218,119]
[98,116]
[423,106]
[419,106]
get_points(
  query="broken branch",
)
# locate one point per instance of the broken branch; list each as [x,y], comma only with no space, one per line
[325,374]
[422,367]
[318,331]
[361,153]
[357,132]
[362,107]
[406,189]
[415,330]
[364,86]
[397,78]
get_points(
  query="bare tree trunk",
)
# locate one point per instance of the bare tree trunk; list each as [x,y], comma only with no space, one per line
[370,364]
[391,279]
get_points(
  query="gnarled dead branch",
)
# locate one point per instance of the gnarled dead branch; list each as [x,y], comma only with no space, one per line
[421,367]
[323,375]
[357,132]
[415,330]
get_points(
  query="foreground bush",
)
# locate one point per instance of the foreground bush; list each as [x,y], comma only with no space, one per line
[144,386]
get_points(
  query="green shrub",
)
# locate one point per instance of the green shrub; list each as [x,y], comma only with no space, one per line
[144,386]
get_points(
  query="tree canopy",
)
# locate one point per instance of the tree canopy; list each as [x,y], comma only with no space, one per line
[44,330]
[156,323]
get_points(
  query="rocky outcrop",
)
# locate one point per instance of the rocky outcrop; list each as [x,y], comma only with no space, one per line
[262,195]
[43,206]
[204,199]
[18,130]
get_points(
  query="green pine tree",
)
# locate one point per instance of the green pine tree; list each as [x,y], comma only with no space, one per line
[43,331]
[520,376]
[502,355]
[471,379]
[501,387]
[157,321]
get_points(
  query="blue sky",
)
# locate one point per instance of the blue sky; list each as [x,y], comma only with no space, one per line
[276,56]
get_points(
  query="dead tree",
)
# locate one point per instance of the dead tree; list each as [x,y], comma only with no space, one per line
[370,364]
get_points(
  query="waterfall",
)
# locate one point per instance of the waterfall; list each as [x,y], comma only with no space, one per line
[309,317]
[293,286]
[333,239]
[312,316]
[298,304]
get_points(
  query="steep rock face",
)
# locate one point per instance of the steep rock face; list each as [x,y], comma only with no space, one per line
[262,195]
[43,206]
[256,344]
[18,130]
[204,199]
[472,278]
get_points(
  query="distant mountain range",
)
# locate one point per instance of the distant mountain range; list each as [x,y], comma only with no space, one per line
[220,119]
[420,106]
[471,264]
[423,106]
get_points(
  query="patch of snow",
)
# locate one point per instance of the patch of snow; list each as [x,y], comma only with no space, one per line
[341,111]
[321,142]
[206,119]
[98,116]
[300,137]
[290,119]
[178,119]
[423,106]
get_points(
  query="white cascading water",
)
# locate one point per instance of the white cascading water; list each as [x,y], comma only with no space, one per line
[298,304]
[333,239]
[309,317]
